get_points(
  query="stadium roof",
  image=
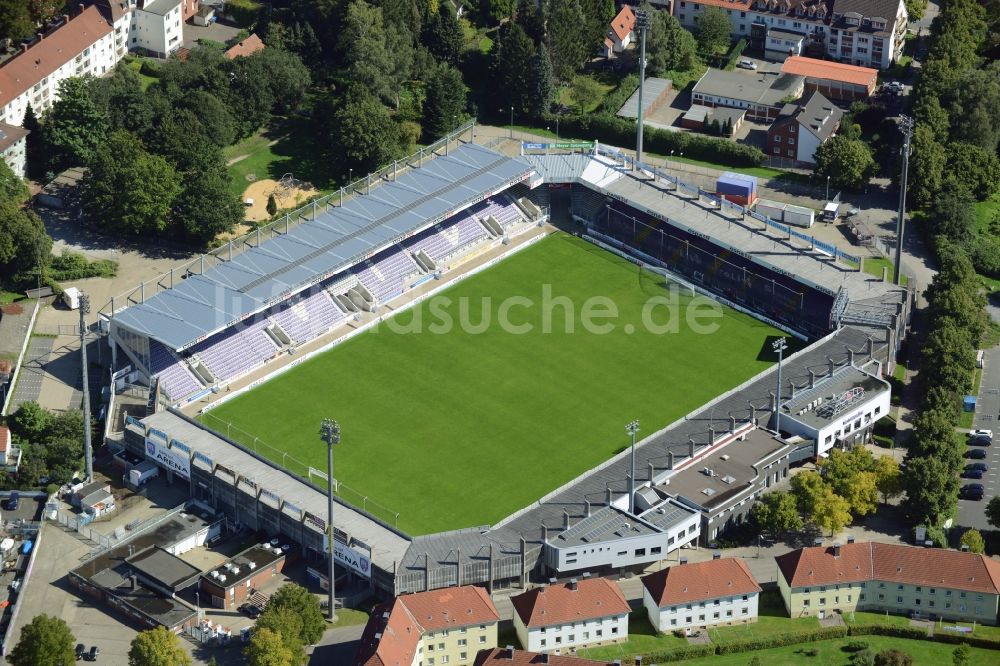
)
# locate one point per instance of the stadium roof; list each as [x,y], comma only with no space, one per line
[204,304]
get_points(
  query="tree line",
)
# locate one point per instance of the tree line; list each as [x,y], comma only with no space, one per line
[51,443]
[954,162]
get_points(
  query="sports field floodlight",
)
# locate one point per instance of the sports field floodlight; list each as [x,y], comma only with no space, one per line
[330,433]
[642,22]
[88,451]
[779,345]
[631,428]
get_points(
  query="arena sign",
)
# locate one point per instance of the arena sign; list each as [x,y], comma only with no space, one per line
[350,558]
[167,458]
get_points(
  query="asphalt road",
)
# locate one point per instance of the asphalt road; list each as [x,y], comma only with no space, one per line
[970,512]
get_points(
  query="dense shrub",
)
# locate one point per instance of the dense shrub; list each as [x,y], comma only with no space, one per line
[781,640]
[75,266]
[244,12]
[681,654]
[617,131]
[856,646]
[615,99]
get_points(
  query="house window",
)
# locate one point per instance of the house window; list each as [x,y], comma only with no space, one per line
[899,600]
[822,601]
[777,150]
[777,138]
[482,639]
[791,153]
[640,552]
[791,141]
[673,622]
[744,611]
[614,630]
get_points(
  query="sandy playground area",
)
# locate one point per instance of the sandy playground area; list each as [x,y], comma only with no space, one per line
[286,196]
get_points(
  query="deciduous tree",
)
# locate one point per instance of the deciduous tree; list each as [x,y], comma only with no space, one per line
[776,513]
[993,511]
[568,44]
[286,624]
[888,479]
[267,648]
[15,20]
[974,540]
[157,647]
[303,604]
[669,47]
[586,93]
[832,512]
[848,162]
[364,135]
[45,641]
[364,51]
[128,190]
[713,32]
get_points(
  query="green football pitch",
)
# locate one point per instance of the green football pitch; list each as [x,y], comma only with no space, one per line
[460,426]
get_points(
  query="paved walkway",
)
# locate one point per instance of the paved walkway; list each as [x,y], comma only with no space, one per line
[29,381]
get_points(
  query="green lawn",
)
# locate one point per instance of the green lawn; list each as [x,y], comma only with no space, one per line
[965,418]
[424,415]
[874,266]
[772,619]
[876,618]
[924,653]
[348,617]
[605,84]
[642,639]
[146,79]
[985,212]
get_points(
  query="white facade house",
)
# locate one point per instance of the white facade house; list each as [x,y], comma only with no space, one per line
[557,617]
[717,592]
[13,142]
[157,27]
[868,33]
[839,410]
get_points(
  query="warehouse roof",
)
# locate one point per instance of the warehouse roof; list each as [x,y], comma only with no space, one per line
[832,71]
[206,303]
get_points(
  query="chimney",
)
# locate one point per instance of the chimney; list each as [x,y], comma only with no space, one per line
[638,660]
[774,401]
[817,542]
[753,414]
[79,8]
[652,473]
[543,658]
[608,500]
[683,560]
[587,505]
[871,346]
[24,48]
[65,18]
[41,36]
[553,581]
[732,423]
[850,539]
[509,653]
[573,585]
[545,533]
[965,547]
[850,357]
[565,519]
[716,555]
[670,459]
[691,448]
[134,581]
[711,436]
[836,550]
[829,362]
[812,379]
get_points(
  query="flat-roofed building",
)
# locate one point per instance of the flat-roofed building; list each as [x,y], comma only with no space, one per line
[839,410]
[835,80]
[761,94]
[703,594]
[890,578]
[440,627]
[577,614]
[722,482]
[231,584]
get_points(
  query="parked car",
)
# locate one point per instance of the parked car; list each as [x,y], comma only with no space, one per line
[983,432]
[895,86]
[92,654]
[81,650]
[972,473]
[972,491]
[980,440]
[251,610]
[745,63]
[976,454]
[979,467]
[13,501]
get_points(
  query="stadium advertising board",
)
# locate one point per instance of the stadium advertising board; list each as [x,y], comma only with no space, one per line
[174,461]
[350,558]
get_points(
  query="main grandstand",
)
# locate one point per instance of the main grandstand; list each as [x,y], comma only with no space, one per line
[257,306]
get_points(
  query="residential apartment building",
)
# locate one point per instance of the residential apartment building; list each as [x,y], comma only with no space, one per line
[88,42]
[892,578]
[557,617]
[13,146]
[446,627]
[801,129]
[869,33]
[720,591]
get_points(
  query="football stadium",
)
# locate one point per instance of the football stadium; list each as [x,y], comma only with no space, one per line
[483,320]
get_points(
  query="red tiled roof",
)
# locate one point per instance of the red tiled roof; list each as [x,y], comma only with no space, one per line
[893,563]
[53,51]
[558,604]
[741,5]
[700,581]
[833,71]
[248,46]
[4,438]
[624,23]
[503,657]
[394,629]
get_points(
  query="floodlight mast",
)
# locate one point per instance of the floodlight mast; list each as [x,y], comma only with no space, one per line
[330,433]
[631,428]
[642,22]
[779,345]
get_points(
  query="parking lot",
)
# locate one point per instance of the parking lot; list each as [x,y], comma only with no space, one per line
[971,512]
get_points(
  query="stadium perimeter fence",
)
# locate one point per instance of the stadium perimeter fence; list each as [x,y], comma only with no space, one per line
[290,463]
